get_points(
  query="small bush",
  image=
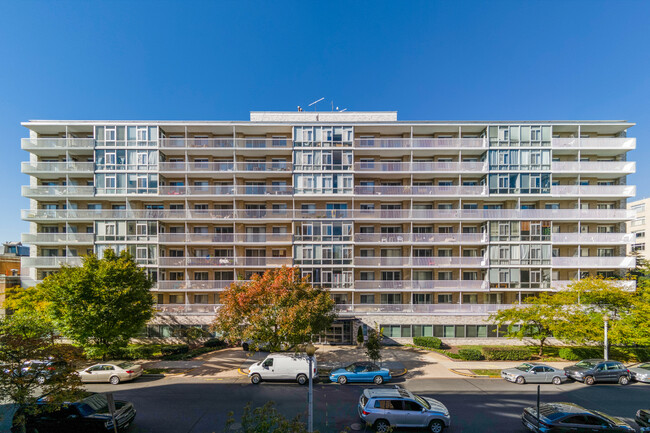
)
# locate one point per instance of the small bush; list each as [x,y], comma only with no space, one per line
[470,354]
[506,353]
[578,353]
[430,342]
[174,349]
[141,351]
[214,342]
[188,355]
[642,354]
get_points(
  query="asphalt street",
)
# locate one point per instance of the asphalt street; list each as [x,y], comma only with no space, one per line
[198,405]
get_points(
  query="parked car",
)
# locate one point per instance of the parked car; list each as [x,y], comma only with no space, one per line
[569,417]
[360,372]
[113,373]
[643,417]
[591,371]
[283,366]
[533,372]
[385,408]
[44,370]
[89,414]
[641,372]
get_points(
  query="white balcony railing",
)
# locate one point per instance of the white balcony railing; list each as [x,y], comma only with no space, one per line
[420,190]
[57,191]
[57,238]
[422,285]
[57,167]
[594,262]
[623,284]
[592,238]
[188,309]
[194,285]
[49,262]
[420,143]
[594,190]
[432,262]
[429,167]
[225,143]
[57,143]
[593,167]
[224,261]
[469,309]
[623,143]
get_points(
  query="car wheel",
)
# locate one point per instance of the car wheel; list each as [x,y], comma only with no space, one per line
[623,380]
[256,379]
[520,380]
[436,426]
[382,426]
[40,380]
[557,380]
[245,347]
[114,380]
[589,380]
[301,379]
[342,380]
[378,380]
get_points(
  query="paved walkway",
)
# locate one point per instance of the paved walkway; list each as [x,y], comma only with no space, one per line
[233,362]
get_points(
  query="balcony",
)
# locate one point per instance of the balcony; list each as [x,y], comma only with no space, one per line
[225,238]
[619,167]
[592,238]
[36,144]
[188,309]
[429,262]
[197,190]
[438,309]
[224,261]
[225,143]
[69,167]
[629,285]
[57,191]
[265,190]
[594,262]
[57,238]
[594,190]
[191,167]
[421,190]
[50,262]
[422,285]
[193,285]
[418,167]
[622,143]
[264,167]
[420,143]
[421,238]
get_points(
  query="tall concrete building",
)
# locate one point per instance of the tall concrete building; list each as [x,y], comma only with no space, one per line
[424,228]
[638,226]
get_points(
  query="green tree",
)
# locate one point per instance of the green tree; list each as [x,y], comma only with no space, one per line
[25,337]
[360,335]
[101,304]
[265,419]
[277,307]
[373,345]
[191,335]
[534,320]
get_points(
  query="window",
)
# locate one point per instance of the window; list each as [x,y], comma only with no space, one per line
[367,299]
[200,299]
[444,298]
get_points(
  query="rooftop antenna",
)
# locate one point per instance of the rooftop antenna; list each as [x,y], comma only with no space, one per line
[341,111]
[315,102]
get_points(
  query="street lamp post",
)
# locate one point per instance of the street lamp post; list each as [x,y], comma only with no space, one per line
[310,350]
[605,322]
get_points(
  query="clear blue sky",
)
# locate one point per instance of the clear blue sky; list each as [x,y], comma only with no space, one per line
[217,60]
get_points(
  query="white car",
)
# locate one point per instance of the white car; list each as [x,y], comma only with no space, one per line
[111,373]
[283,366]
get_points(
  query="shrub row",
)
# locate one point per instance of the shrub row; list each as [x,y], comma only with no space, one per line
[506,353]
[214,342]
[470,354]
[430,342]
[174,349]
[624,354]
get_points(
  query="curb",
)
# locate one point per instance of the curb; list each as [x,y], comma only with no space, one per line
[241,372]
[400,374]
[475,376]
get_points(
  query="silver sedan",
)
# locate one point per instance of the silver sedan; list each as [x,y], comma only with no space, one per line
[112,373]
[533,372]
[641,372]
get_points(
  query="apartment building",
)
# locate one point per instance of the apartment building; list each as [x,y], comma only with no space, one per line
[424,228]
[638,226]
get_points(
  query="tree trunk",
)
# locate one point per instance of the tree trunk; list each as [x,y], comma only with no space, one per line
[541,346]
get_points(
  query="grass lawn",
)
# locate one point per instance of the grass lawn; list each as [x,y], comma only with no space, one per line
[486,372]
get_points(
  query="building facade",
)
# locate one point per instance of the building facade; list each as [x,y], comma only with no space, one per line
[638,226]
[10,262]
[424,228]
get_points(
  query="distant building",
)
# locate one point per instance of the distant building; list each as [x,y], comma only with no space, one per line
[10,254]
[639,225]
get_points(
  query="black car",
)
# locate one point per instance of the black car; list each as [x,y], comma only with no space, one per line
[569,417]
[45,370]
[591,371]
[643,417]
[89,414]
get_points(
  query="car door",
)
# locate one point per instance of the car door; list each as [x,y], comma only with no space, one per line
[536,375]
[268,369]
[106,372]
[550,373]
[615,369]
[92,374]
[600,373]
[360,373]
[596,424]
[413,415]
[573,424]
[397,417]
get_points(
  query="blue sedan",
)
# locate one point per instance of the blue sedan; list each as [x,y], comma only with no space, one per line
[360,372]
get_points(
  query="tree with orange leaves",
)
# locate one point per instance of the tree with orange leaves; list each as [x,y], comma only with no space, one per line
[275,308]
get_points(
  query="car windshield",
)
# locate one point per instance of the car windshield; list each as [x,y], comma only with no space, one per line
[585,364]
[422,401]
[92,404]
[350,367]
[524,367]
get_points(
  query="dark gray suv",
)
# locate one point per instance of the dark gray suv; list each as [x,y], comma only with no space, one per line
[591,371]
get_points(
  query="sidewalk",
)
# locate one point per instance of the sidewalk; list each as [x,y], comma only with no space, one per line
[416,363]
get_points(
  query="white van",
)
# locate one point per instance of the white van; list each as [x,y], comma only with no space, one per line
[283,366]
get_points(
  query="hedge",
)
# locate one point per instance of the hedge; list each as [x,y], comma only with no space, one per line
[578,353]
[430,342]
[470,354]
[174,349]
[624,354]
[506,353]
[214,342]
